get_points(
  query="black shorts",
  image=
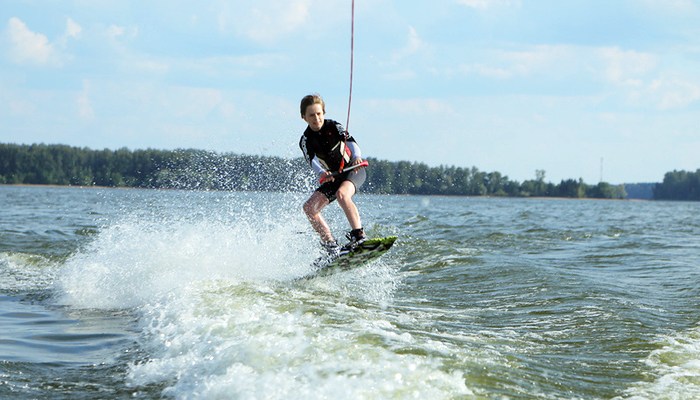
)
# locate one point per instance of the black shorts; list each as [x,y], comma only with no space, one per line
[329,189]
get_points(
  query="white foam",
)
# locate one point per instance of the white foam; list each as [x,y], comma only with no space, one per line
[135,262]
[675,367]
[221,315]
[25,272]
[254,340]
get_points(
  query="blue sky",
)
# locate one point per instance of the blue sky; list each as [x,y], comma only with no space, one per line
[512,86]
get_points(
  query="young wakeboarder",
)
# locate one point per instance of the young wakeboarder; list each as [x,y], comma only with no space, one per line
[329,148]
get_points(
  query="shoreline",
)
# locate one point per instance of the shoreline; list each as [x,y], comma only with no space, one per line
[39,185]
[43,185]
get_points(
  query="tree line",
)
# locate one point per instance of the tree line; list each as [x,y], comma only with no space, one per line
[159,169]
[679,185]
[206,170]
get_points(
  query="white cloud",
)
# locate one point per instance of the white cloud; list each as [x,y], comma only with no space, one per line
[115,32]
[549,60]
[73,30]
[117,39]
[627,68]
[264,22]
[644,82]
[413,45]
[27,47]
[674,93]
[32,48]
[537,60]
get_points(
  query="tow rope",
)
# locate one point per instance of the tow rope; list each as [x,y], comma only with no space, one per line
[352,56]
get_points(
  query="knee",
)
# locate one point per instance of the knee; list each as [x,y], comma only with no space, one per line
[343,196]
[312,207]
[309,209]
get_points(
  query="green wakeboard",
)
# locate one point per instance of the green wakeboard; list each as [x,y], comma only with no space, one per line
[363,253]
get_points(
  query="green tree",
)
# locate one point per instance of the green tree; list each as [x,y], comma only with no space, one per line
[679,185]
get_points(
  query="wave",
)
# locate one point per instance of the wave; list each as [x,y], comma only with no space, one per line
[25,273]
[260,340]
[140,259]
[674,369]
[220,312]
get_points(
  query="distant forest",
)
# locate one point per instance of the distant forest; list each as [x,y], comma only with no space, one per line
[206,170]
[679,185]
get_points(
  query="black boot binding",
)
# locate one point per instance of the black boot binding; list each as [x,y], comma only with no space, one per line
[355,237]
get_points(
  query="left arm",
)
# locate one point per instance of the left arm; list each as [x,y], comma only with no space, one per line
[350,142]
[355,151]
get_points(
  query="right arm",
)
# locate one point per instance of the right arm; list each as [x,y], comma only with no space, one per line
[318,168]
[317,165]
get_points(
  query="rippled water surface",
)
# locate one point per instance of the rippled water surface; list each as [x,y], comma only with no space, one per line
[149,294]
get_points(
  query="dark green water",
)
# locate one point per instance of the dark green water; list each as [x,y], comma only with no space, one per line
[148,294]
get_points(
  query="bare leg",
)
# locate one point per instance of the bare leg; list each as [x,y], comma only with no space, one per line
[312,209]
[344,195]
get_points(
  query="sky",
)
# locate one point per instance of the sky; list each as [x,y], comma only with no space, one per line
[584,89]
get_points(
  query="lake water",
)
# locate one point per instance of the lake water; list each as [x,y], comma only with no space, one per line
[145,294]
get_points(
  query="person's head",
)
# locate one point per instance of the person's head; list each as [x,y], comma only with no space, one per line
[313,110]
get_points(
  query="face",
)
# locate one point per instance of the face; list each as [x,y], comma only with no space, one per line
[314,117]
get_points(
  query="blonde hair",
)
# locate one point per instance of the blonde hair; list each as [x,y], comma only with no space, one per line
[310,100]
